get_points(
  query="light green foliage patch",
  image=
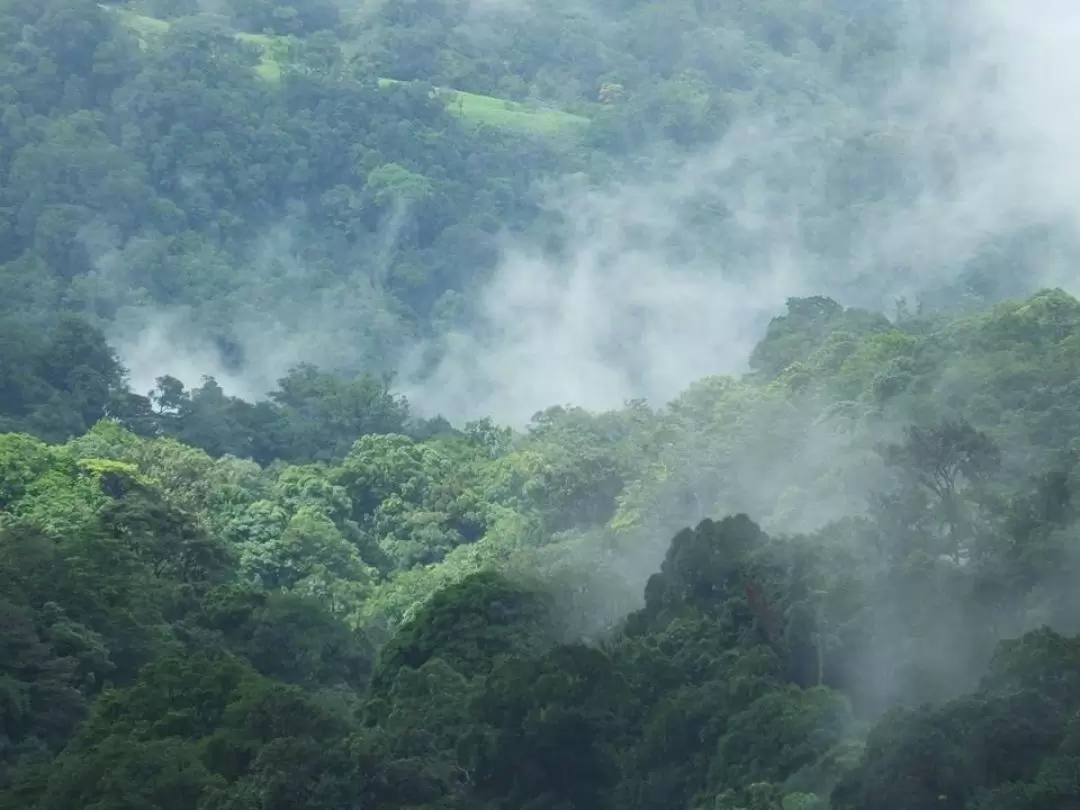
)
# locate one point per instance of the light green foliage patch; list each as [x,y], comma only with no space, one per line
[480,109]
[511,114]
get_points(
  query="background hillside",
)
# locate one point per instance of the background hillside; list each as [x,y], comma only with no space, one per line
[234,188]
[537,405]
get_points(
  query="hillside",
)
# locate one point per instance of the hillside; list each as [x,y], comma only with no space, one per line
[787,289]
[351,213]
[274,56]
[464,606]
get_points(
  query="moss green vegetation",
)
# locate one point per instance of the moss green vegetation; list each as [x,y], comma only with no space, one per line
[505,616]
[512,115]
[273,51]
[845,580]
[146,27]
[474,107]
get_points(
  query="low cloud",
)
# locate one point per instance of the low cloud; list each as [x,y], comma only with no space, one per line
[673,273]
[286,306]
[641,300]
[629,308]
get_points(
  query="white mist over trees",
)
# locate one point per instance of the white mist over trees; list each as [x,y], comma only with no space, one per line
[538,404]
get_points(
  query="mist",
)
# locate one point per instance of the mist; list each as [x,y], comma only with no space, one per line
[621,315]
[637,303]
[291,308]
[989,152]
[621,275]
[671,272]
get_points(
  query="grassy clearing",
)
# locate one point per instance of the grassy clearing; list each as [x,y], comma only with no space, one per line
[495,112]
[511,115]
[274,51]
[145,27]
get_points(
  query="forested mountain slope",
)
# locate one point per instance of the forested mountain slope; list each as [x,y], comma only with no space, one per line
[844,579]
[426,616]
[233,188]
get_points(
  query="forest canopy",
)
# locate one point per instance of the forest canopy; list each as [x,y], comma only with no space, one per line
[243,186]
[431,616]
[246,565]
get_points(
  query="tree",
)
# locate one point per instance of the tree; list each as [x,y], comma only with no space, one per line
[950,461]
[469,625]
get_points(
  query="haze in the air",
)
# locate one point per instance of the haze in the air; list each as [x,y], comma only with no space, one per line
[844,580]
[618,315]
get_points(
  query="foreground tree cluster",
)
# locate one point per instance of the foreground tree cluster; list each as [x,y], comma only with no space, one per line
[421,616]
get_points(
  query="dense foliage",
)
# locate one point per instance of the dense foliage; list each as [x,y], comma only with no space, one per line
[440,617]
[237,179]
[846,579]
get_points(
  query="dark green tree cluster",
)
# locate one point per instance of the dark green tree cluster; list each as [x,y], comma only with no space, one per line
[139,673]
[58,382]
